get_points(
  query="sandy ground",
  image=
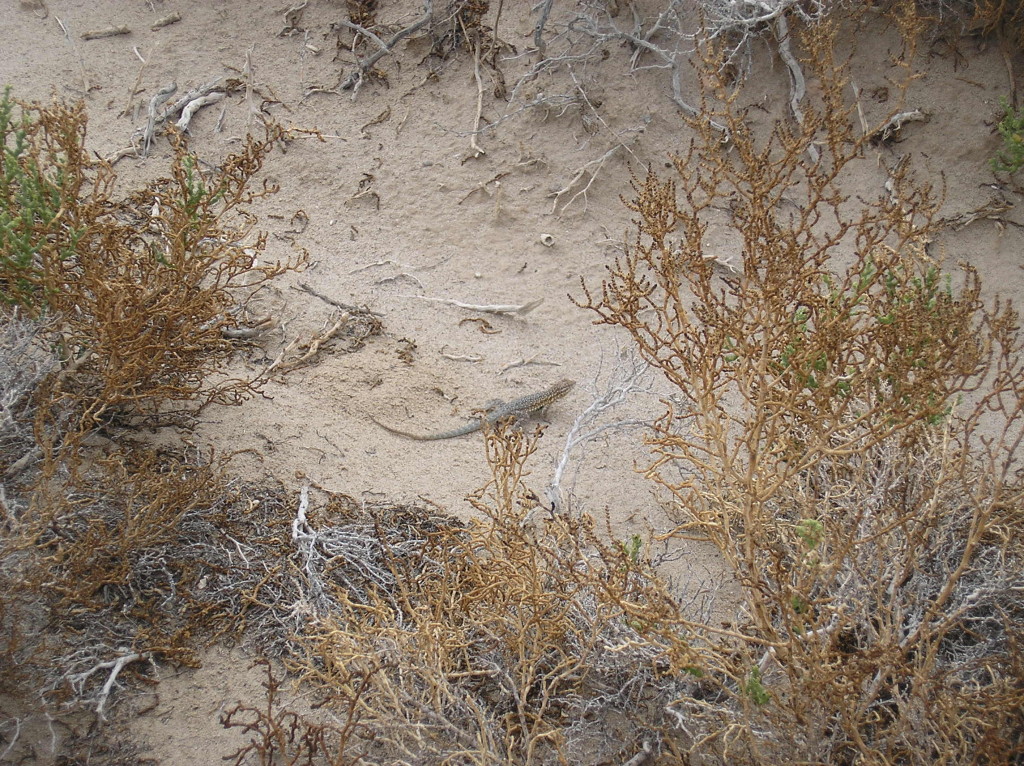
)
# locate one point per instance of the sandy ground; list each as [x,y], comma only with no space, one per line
[443,222]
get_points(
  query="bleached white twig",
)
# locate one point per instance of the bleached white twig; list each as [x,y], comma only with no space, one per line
[220,83]
[99,34]
[798,85]
[356,547]
[623,382]
[593,167]
[676,60]
[195,105]
[739,23]
[642,757]
[13,738]
[158,99]
[116,666]
[167,20]
[479,151]
[250,332]
[461,357]
[300,527]
[497,308]
[363,31]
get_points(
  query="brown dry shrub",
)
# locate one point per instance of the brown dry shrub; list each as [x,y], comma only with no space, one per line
[119,314]
[1000,17]
[282,737]
[141,290]
[849,443]
[505,640]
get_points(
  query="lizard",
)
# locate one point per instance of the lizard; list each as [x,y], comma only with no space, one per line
[524,405]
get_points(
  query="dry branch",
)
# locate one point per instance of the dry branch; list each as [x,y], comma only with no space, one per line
[798,83]
[517,309]
[623,382]
[158,99]
[517,636]
[115,666]
[356,77]
[195,105]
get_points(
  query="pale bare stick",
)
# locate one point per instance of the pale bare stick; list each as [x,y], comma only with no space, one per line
[479,152]
[526,362]
[642,757]
[116,666]
[798,84]
[482,186]
[625,380]
[220,83]
[363,31]
[13,738]
[593,165]
[401,123]
[249,86]
[642,127]
[337,304]
[120,154]
[538,31]
[292,17]
[399,264]
[674,61]
[860,108]
[158,99]
[378,264]
[248,333]
[310,349]
[737,24]
[993,210]
[474,358]
[195,105]
[135,85]
[499,308]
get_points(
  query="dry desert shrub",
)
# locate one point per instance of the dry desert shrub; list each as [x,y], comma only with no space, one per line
[1004,18]
[142,293]
[504,641]
[282,737]
[849,443]
[117,314]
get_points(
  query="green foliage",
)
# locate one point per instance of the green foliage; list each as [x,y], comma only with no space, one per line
[1011,128]
[754,689]
[811,532]
[632,547]
[881,299]
[38,179]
